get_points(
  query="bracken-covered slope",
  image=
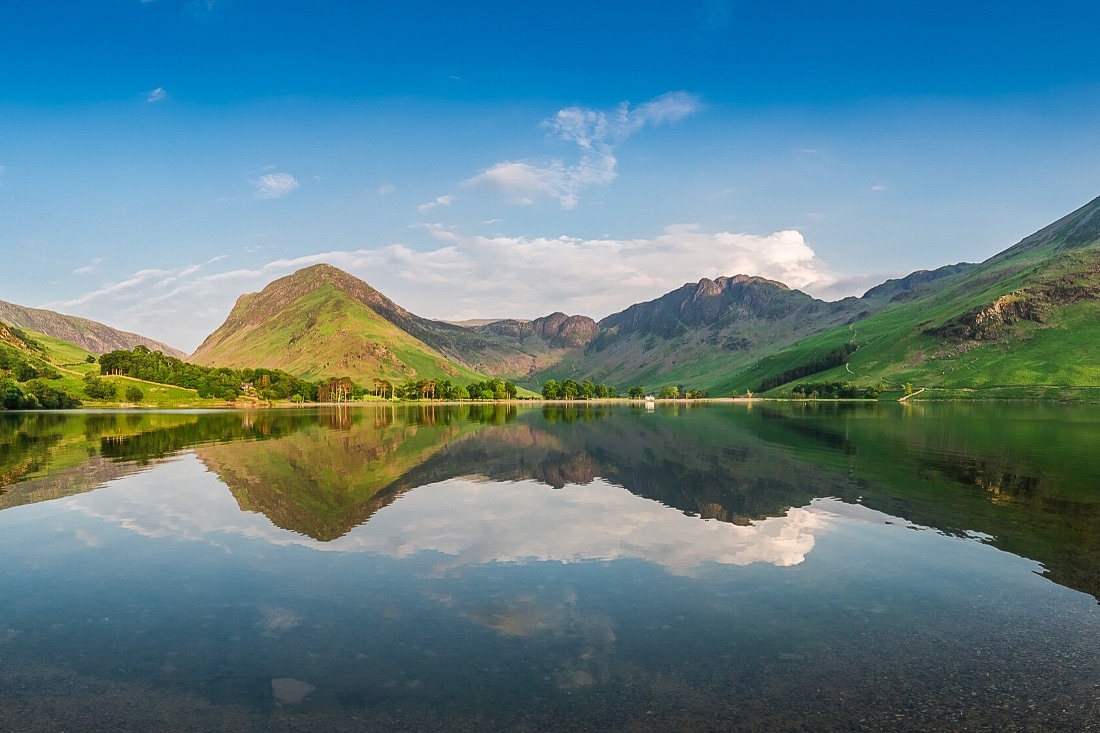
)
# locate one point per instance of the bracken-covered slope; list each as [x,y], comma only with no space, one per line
[89,335]
[1024,323]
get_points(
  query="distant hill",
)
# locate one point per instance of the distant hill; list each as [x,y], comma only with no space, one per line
[89,335]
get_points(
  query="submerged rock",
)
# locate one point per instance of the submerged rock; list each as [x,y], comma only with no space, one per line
[289,690]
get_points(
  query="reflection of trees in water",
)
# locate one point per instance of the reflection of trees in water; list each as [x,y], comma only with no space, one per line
[322,471]
[1012,473]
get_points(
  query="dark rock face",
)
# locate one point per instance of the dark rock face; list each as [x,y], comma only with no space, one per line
[566,331]
[707,303]
[558,329]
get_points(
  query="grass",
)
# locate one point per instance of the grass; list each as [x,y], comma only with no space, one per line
[1059,357]
[326,333]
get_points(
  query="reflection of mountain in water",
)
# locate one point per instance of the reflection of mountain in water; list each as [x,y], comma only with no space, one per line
[320,481]
[1022,476]
[713,470]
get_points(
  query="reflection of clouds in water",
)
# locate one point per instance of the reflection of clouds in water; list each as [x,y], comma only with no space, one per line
[590,635]
[475,523]
[90,540]
[471,522]
[277,620]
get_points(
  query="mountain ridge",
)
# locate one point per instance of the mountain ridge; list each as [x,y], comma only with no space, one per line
[90,335]
[723,333]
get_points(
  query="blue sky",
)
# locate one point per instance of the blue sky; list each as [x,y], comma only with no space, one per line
[160,158]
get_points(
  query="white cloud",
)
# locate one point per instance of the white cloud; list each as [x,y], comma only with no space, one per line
[274,185]
[386,189]
[878,188]
[156,95]
[440,201]
[595,133]
[470,276]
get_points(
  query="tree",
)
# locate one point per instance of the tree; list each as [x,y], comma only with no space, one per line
[98,388]
[908,389]
[550,390]
[570,389]
[636,393]
[134,393]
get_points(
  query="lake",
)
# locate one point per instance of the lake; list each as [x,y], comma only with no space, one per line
[711,567]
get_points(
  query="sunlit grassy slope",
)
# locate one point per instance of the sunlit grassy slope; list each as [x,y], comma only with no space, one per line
[1024,323]
[316,323]
[71,361]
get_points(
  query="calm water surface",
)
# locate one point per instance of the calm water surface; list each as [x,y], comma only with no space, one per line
[491,568]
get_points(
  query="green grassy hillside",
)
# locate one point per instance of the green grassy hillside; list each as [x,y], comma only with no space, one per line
[313,324]
[59,364]
[95,337]
[1025,323]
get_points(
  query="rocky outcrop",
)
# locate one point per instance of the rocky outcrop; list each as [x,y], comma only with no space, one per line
[710,302]
[566,331]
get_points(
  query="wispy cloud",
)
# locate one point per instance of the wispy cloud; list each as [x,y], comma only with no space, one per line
[596,133]
[274,185]
[386,189]
[878,188]
[482,275]
[156,95]
[440,201]
[90,267]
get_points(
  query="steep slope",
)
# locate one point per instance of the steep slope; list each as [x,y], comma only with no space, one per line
[322,322]
[1022,323]
[89,335]
[701,331]
[517,349]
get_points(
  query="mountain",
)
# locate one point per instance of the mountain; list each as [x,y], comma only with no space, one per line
[700,333]
[1024,317]
[89,335]
[1021,324]
[322,322]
